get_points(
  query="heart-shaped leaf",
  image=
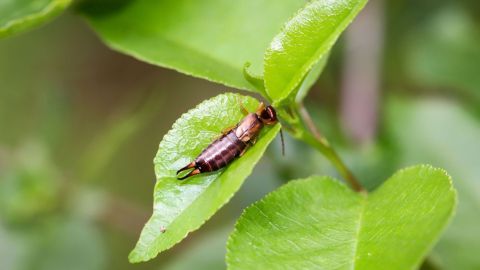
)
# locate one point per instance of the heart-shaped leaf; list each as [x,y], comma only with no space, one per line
[210,39]
[305,39]
[16,16]
[320,223]
[183,206]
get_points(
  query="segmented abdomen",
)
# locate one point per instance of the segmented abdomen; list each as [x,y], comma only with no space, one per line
[220,153]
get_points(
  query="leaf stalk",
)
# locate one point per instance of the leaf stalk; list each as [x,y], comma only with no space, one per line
[302,127]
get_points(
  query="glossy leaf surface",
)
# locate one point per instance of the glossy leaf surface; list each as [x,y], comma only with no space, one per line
[305,39]
[183,206]
[210,39]
[311,79]
[20,15]
[320,223]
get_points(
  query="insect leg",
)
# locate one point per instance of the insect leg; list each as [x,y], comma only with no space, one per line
[260,108]
[242,107]
[192,173]
[225,131]
[243,151]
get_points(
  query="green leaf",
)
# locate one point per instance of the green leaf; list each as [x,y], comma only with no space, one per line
[305,39]
[183,206]
[450,141]
[320,223]
[20,15]
[311,78]
[210,39]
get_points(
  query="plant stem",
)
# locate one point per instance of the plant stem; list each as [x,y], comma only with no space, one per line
[324,147]
[313,137]
[308,121]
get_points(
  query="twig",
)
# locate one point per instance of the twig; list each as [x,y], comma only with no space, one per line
[332,155]
[308,121]
[313,137]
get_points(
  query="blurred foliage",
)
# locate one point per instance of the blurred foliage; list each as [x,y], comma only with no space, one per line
[443,53]
[206,253]
[19,15]
[66,99]
[451,141]
[30,185]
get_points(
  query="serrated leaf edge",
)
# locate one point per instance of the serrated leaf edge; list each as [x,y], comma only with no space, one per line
[133,257]
[303,71]
[232,237]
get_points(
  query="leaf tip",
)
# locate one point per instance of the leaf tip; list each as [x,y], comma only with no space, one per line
[133,257]
[138,256]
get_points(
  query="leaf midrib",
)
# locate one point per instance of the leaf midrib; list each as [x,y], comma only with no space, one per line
[359,229]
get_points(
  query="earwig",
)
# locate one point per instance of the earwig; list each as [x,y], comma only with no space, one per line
[233,143]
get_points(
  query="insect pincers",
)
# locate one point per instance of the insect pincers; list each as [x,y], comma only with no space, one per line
[233,142]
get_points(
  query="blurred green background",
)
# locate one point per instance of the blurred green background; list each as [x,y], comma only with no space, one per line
[80,125]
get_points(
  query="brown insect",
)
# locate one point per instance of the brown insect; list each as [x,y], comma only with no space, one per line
[233,142]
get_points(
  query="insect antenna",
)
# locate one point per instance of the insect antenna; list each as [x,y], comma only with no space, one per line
[283,142]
